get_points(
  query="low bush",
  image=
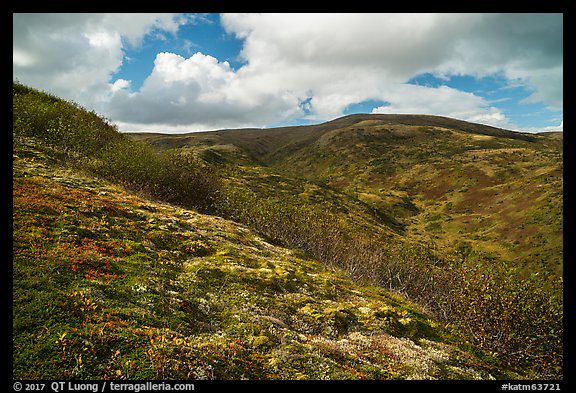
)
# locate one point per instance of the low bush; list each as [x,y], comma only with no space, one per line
[60,124]
[186,180]
[93,143]
[515,320]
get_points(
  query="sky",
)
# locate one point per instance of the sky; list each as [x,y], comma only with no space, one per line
[177,73]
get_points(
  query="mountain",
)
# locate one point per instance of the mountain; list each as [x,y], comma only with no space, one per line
[293,253]
[430,178]
[109,285]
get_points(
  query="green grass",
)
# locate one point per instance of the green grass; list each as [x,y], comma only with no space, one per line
[444,209]
[108,285]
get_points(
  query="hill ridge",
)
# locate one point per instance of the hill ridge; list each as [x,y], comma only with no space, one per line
[262,143]
[209,297]
[385,118]
[439,215]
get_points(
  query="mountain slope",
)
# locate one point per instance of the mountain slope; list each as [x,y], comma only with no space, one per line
[110,285]
[428,178]
[98,267]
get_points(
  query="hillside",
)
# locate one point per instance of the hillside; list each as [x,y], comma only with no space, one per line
[428,178]
[304,253]
[110,285]
[264,144]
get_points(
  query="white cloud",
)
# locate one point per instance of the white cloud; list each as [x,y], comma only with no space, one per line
[327,61]
[339,59]
[120,84]
[442,101]
[349,58]
[547,86]
[398,45]
[527,48]
[557,128]
[183,94]
[75,55]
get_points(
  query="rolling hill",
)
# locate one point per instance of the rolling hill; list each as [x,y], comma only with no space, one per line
[430,178]
[335,251]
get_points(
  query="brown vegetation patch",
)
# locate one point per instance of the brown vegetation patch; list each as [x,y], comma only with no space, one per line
[438,191]
[479,199]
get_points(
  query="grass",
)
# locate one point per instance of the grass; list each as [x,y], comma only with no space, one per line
[108,285]
[439,217]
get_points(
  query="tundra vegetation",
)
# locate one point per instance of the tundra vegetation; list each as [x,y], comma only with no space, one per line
[363,248]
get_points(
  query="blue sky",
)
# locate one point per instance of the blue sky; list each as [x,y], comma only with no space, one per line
[204,35]
[501,93]
[191,72]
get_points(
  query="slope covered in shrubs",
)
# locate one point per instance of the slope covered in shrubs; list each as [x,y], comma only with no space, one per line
[183,277]
[92,143]
[515,317]
[111,285]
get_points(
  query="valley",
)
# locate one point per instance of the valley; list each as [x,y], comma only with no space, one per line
[428,179]
[368,247]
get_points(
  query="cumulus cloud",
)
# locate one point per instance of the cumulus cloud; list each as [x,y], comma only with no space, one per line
[198,91]
[309,66]
[75,55]
[397,45]
[443,101]
[341,59]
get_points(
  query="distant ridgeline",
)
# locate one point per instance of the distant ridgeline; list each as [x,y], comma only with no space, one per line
[464,220]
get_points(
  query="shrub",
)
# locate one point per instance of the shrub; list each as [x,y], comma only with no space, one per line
[60,124]
[171,176]
[516,320]
[130,163]
[96,145]
[186,180]
[288,221]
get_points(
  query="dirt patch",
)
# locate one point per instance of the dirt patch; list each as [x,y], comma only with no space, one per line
[438,191]
[480,200]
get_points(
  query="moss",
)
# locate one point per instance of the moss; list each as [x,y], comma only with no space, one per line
[142,289]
